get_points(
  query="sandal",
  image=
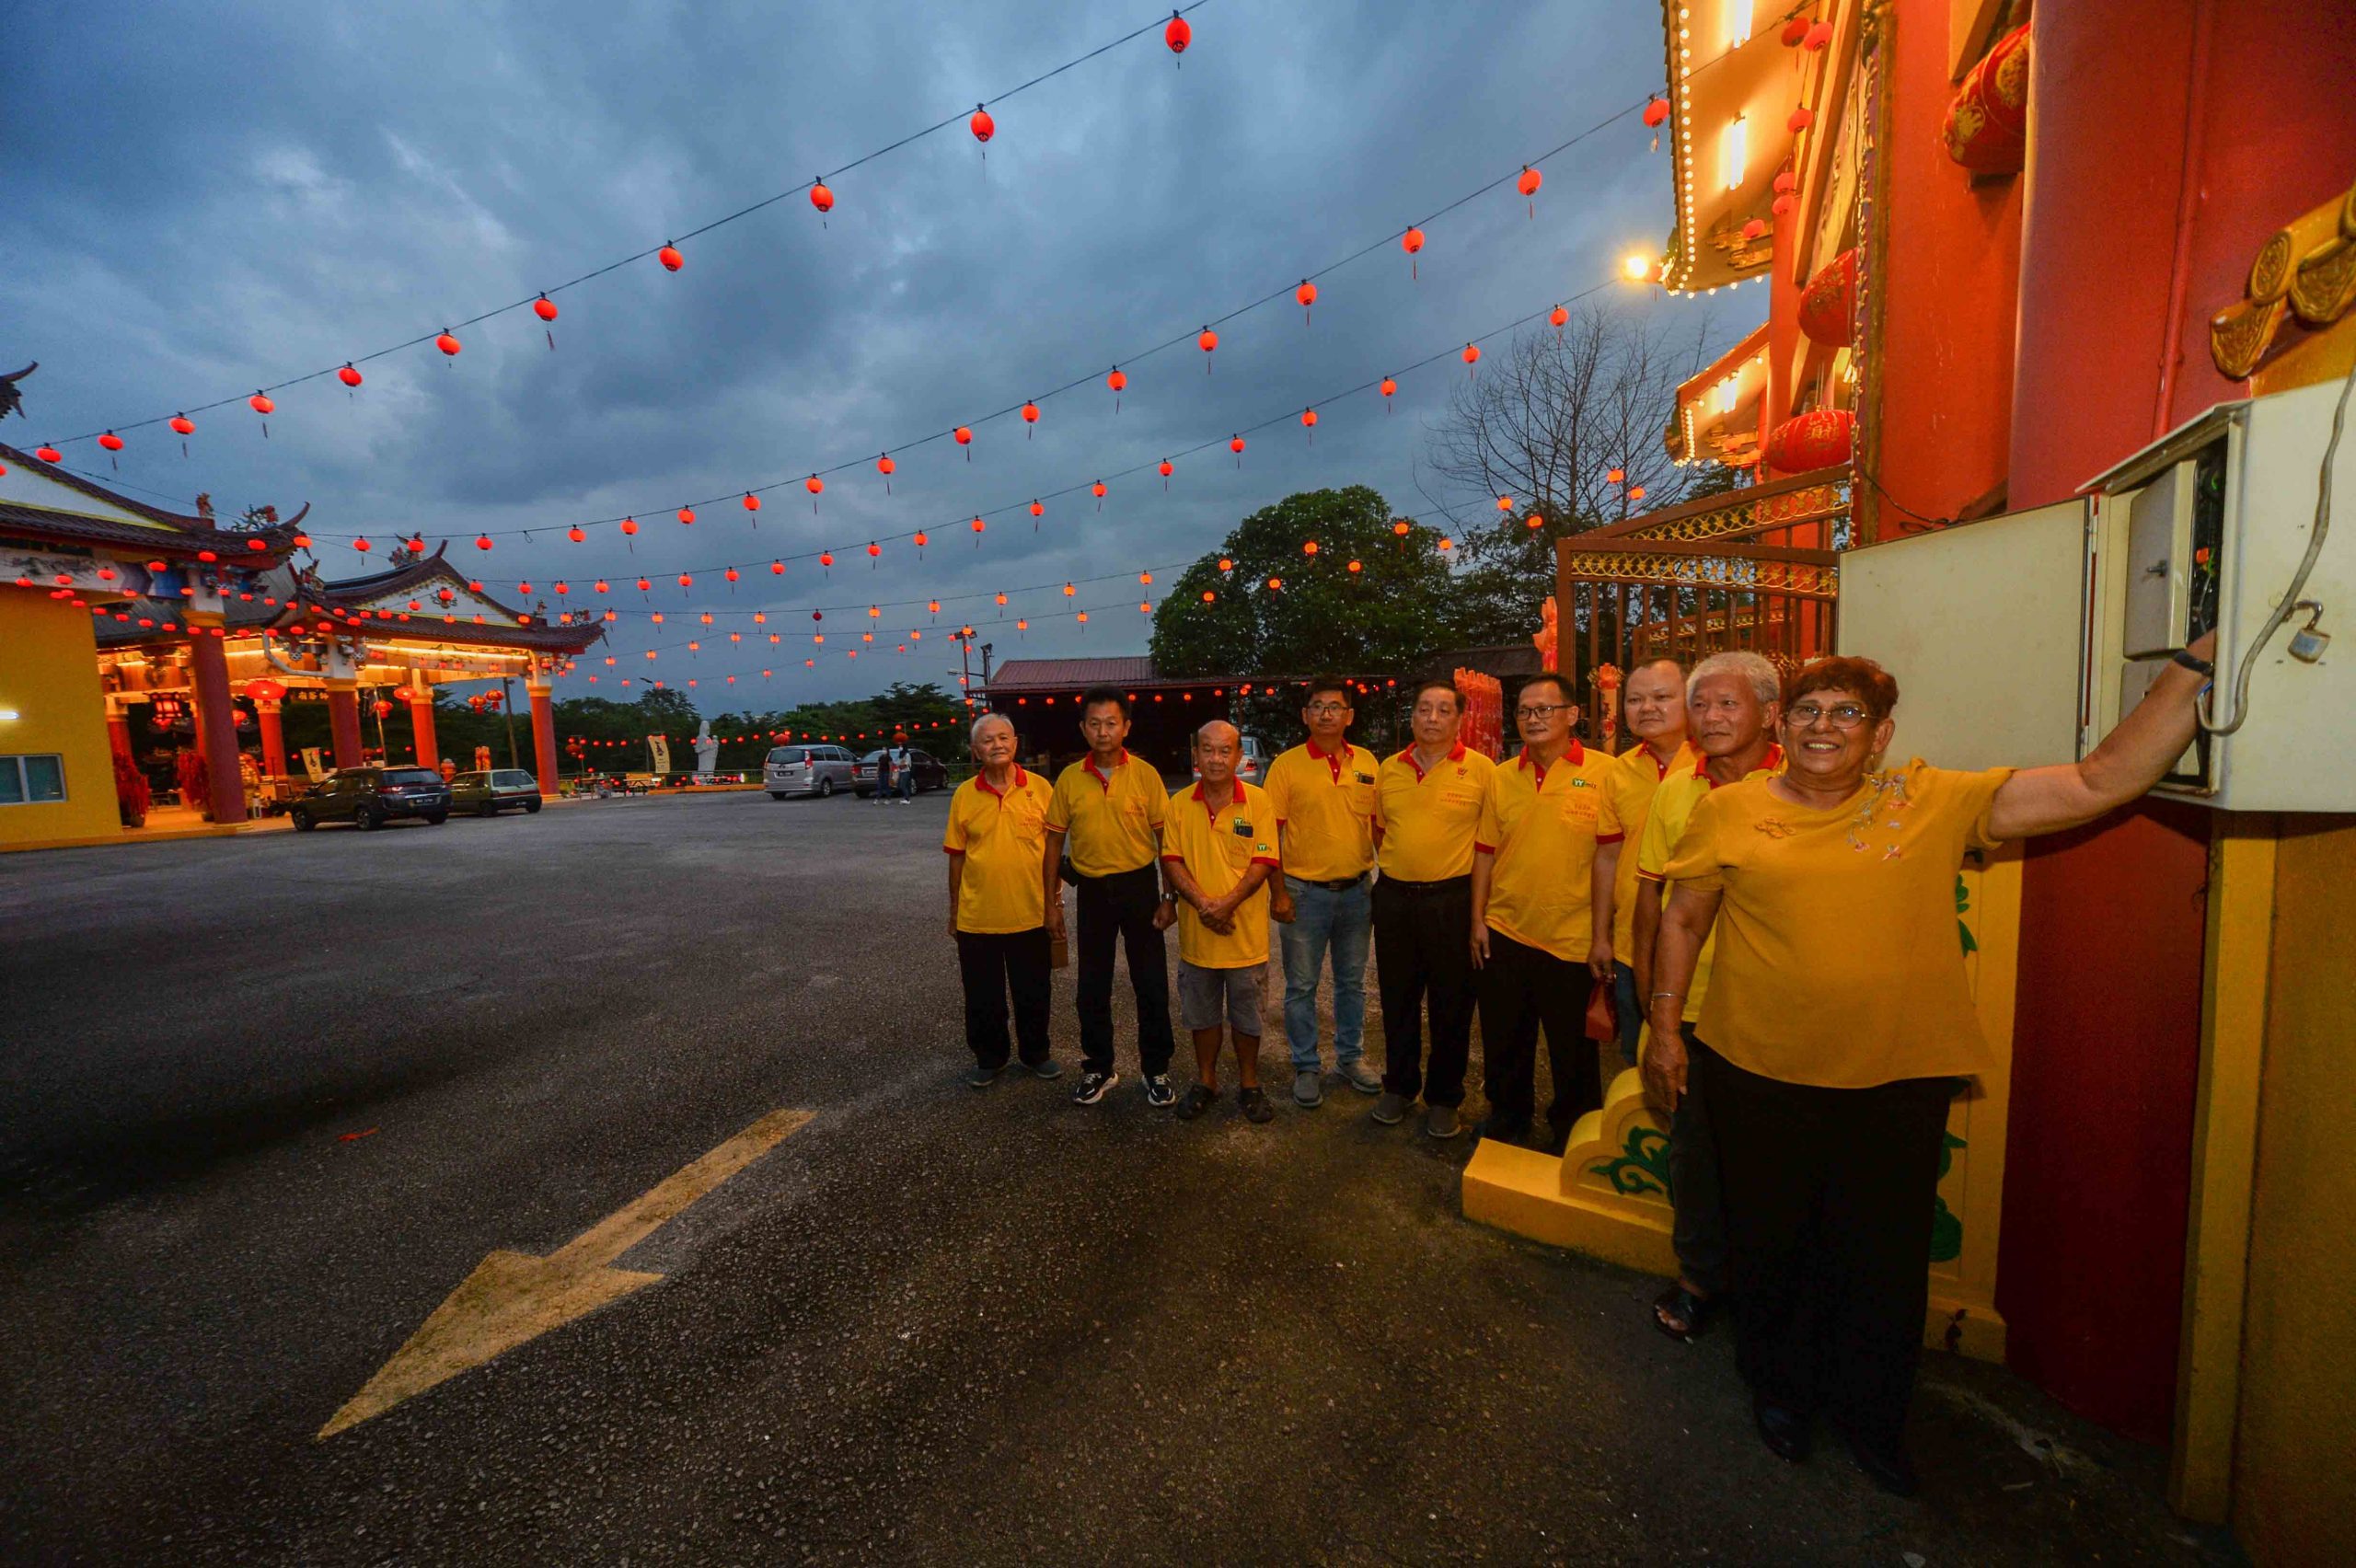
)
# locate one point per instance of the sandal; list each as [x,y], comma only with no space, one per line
[1682,1306]
[1198,1099]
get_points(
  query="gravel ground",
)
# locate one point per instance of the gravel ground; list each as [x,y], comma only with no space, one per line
[934,1325]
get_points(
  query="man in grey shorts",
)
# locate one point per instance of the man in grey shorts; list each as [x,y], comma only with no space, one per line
[1218,849]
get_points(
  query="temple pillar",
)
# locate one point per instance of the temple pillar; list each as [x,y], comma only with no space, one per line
[273,736]
[421,719]
[343,723]
[118,730]
[217,725]
[543,731]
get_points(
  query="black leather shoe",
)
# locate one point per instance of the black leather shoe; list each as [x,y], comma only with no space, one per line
[1784,1430]
[1887,1465]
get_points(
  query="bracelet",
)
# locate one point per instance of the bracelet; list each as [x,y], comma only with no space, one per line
[1678,995]
[2192,661]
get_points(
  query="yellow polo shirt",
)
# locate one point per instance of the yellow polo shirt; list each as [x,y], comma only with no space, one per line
[1635,774]
[1672,808]
[1543,827]
[1428,817]
[1324,802]
[1217,848]
[1840,962]
[1112,821]
[1004,840]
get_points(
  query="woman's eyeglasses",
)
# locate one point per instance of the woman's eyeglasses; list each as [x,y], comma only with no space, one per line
[1841,716]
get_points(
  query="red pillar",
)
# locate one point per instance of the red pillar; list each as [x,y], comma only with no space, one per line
[343,721]
[119,731]
[273,736]
[216,718]
[543,736]
[421,720]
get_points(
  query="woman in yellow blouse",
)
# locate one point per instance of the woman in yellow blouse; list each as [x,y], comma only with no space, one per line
[1838,1022]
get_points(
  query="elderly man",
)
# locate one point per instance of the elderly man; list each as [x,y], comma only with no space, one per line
[997,913]
[1218,849]
[1427,807]
[1652,706]
[1730,707]
[1538,880]
[1108,810]
[1323,791]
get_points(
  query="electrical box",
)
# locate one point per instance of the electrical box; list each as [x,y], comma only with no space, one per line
[2210,527]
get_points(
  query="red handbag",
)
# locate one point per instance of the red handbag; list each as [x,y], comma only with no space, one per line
[1602,1017]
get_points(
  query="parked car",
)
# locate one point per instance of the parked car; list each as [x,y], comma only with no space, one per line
[1251,766]
[806,770]
[371,797]
[491,792]
[931,773]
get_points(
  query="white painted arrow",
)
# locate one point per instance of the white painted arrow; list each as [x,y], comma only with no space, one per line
[514,1297]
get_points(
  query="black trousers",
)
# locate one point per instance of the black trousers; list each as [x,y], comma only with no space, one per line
[1121,907]
[1828,1197]
[992,965]
[1699,1234]
[1523,989]
[1422,947]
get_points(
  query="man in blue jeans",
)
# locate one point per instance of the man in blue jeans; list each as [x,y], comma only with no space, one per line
[1323,795]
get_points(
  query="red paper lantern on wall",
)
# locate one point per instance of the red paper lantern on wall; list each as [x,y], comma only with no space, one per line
[1986,128]
[1828,305]
[1822,438]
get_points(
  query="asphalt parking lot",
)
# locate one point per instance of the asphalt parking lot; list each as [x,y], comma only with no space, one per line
[266,1103]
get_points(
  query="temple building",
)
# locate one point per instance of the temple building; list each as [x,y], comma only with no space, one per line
[118,616]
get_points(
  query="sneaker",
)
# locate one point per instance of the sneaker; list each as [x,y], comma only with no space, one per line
[1392,1109]
[1254,1102]
[982,1078]
[1046,1067]
[1308,1089]
[1439,1121]
[1093,1087]
[1360,1076]
[1198,1099]
[1159,1090]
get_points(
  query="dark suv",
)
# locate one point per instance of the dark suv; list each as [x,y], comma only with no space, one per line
[373,797]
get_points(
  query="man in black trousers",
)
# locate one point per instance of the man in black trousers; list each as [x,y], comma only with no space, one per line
[1108,810]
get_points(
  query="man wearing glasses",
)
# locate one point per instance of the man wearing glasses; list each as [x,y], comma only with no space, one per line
[1536,882]
[1426,806]
[1324,794]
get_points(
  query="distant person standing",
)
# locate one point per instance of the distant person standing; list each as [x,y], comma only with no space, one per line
[1218,850]
[1322,792]
[1427,804]
[903,768]
[998,829]
[883,776]
[1107,811]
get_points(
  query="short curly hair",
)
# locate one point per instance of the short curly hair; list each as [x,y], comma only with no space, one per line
[1875,687]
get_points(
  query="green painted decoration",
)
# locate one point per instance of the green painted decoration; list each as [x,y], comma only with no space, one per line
[1642,1167]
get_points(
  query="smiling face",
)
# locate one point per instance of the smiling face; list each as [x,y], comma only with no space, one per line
[1653,700]
[1724,714]
[994,742]
[1831,738]
[1216,746]
[1439,714]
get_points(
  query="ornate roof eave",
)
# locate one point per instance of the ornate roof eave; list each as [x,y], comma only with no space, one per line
[166,536]
[1706,251]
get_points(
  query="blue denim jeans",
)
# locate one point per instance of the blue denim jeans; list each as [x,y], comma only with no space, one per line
[1343,921]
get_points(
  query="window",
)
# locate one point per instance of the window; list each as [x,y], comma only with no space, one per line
[31,780]
[412,776]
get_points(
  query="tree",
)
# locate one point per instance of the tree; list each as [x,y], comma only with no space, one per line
[1545,429]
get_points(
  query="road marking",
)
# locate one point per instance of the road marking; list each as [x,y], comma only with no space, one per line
[514,1297]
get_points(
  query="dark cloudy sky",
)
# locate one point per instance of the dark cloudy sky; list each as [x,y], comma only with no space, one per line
[203,199]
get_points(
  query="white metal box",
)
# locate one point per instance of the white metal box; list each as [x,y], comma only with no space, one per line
[2224,508]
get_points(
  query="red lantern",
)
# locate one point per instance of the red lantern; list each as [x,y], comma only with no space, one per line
[1820,34]
[629,525]
[1785,181]
[1527,185]
[1116,381]
[1235,444]
[978,525]
[981,124]
[1390,384]
[1780,206]
[732,574]
[545,309]
[1823,438]
[1616,477]
[814,484]
[447,344]
[1472,356]
[1754,228]
[1307,295]
[1556,318]
[1794,32]
[1167,469]
[1987,125]
[361,543]
[1400,528]
[482,541]
[1097,490]
[1207,340]
[48,453]
[826,557]
[1177,35]
[1038,508]
[383,708]
[1828,303]
[260,403]
[687,516]
[1636,492]
[964,436]
[111,442]
[1505,503]
[670,258]
[1801,119]
[1309,420]
[1655,112]
[820,197]
[922,538]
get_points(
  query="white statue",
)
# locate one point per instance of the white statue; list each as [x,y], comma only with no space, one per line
[706,749]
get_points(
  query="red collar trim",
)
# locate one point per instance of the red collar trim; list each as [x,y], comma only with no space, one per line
[1236,800]
[1576,757]
[1774,758]
[982,782]
[1089,762]
[1335,761]
[1408,757]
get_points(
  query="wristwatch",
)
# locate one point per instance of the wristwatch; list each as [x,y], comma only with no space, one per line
[2193,662]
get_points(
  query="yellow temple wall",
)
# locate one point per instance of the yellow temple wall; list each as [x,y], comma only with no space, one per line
[2295,1460]
[49,678]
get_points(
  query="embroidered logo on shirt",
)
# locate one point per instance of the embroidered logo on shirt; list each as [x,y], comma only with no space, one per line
[1774,827]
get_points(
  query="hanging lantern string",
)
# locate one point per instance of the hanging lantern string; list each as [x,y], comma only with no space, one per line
[1290,415]
[1153,28]
[1284,291]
